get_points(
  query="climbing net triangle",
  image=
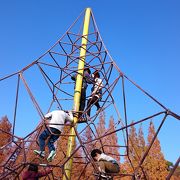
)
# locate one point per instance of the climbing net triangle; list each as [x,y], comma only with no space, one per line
[46,84]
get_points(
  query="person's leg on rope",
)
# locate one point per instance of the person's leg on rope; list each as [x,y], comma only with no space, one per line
[82,102]
[111,167]
[96,100]
[101,166]
[89,103]
[107,167]
[42,138]
[53,138]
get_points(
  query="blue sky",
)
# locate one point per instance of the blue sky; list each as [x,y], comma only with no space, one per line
[143,37]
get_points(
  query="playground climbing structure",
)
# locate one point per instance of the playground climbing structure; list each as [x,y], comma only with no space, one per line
[46,84]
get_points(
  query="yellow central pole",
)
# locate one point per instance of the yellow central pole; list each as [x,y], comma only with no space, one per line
[77,93]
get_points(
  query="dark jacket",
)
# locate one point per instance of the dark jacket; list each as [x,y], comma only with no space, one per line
[87,79]
[32,175]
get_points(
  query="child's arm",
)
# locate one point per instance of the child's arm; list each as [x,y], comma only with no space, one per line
[98,86]
[48,116]
[73,77]
[89,79]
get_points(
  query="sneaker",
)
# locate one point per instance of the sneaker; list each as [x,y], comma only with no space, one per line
[104,176]
[40,153]
[51,155]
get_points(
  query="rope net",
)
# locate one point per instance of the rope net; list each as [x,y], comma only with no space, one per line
[46,84]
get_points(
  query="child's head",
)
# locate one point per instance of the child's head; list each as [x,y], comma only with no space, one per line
[87,69]
[33,167]
[95,153]
[96,74]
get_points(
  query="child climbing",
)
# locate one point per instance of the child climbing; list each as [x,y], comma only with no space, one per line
[96,92]
[32,172]
[87,79]
[105,163]
[57,119]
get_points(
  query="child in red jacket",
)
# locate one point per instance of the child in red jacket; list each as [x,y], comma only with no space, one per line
[33,174]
